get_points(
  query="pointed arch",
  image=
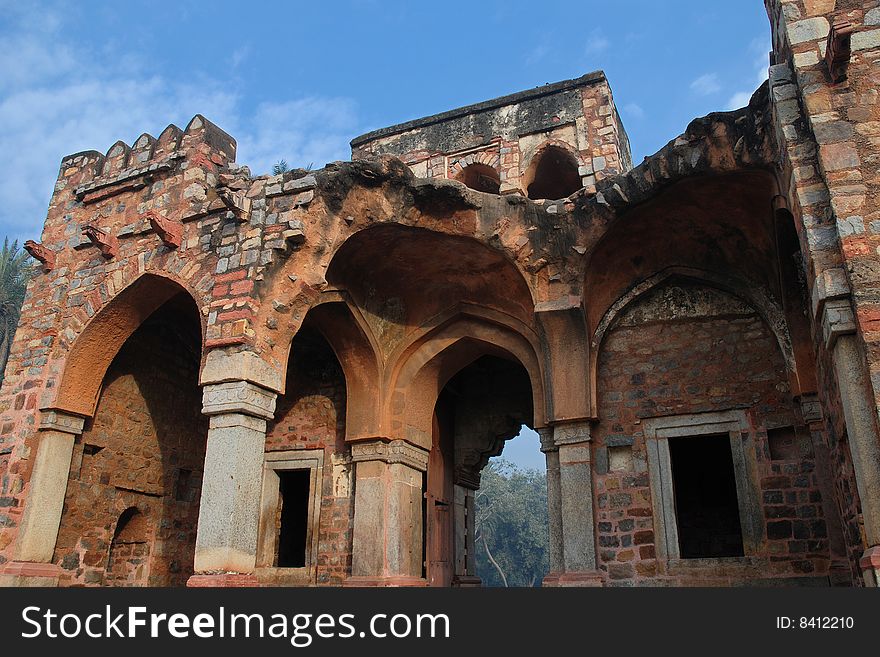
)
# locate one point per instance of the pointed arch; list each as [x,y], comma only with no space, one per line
[102,338]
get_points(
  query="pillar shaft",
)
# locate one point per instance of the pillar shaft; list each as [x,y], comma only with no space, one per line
[860,415]
[38,531]
[572,441]
[388,518]
[229,510]
[554,502]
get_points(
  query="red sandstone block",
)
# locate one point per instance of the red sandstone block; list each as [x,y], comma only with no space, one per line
[241,287]
[230,276]
[234,315]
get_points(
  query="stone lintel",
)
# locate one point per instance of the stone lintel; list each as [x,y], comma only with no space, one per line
[52,419]
[837,320]
[390,451]
[574,578]
[238,397]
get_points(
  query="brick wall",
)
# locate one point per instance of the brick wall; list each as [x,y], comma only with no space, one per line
[680,350]
[311,415]
[143,450]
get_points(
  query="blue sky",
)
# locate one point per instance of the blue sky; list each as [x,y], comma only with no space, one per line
[297,80]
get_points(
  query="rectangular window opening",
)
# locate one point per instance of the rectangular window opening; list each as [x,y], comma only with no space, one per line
[292,517]
[706,503]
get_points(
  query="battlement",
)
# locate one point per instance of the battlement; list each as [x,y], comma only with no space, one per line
[91,170]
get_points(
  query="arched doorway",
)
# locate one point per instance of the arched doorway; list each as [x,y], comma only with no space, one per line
[482,406]
[131,506]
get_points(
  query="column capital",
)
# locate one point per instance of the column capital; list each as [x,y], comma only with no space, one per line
[811,408]
[52,419]
[238,397]
[545,434]
[390,451]
[572,433]
[838,319]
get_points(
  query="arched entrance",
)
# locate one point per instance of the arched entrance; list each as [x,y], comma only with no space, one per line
[131,505]
[479,408]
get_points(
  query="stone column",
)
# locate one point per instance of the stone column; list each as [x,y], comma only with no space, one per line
[572,440]
[554,506]
[229,510]
[388,514]
[860,415]
[38,531]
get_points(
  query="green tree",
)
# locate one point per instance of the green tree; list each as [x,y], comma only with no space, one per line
[15,270]
[510,530]
[280,167]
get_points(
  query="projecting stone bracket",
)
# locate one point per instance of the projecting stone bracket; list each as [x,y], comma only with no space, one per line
[837,320]
[238,397]
[837,49]
[43,254]
[105,241]
[236,202]
[170,232]
[394,451]
[811,408]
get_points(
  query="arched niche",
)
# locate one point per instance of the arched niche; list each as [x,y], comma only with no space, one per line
[480,177]
[552,174]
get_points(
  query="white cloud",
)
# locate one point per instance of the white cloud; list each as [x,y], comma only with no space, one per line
[739,99]
[306,131]
[58,99]
[597,42]
[706,85]
[635,110]
[757,49]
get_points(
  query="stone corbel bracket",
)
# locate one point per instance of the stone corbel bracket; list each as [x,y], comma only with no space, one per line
[169,231]
[236,202]
[103,240]
[394,451]
[43,254]
[837,50]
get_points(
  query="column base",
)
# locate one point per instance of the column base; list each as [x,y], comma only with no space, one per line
[390,581]
[223,581]
[467,582]
[590,578]
[870,564]
[30,573]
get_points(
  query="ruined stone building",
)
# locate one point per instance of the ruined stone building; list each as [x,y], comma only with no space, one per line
[221,379]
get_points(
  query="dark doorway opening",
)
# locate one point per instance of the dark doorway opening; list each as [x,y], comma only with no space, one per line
[706,504]
[554,175]
[293,517]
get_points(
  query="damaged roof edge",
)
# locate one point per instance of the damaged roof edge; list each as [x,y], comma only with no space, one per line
[501,101]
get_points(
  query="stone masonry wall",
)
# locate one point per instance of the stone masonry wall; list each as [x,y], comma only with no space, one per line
[311,415]
[507,133]
[682,350]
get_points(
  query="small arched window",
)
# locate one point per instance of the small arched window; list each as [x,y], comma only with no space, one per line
[480,177]
[128,562]
[552,174]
